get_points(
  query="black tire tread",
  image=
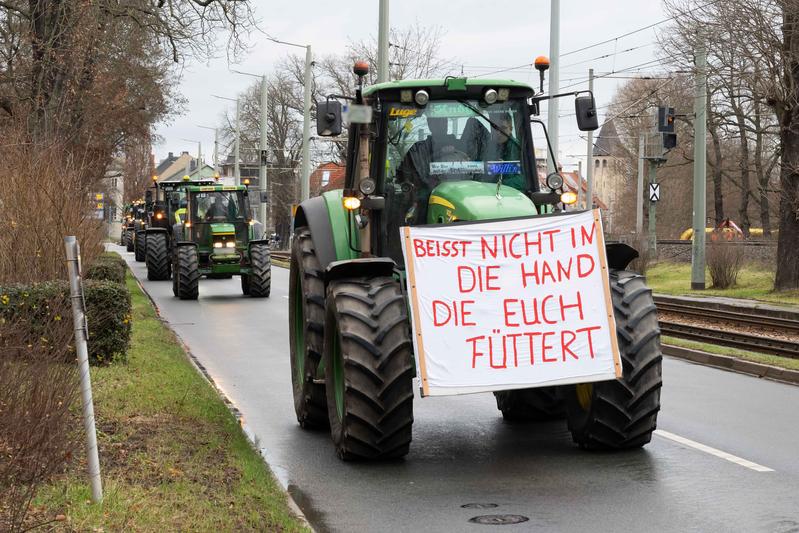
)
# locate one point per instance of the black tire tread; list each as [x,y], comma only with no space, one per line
[157,258]
[188,273]
[139,246]
[310,402]
[378,368]
[260,278]
[623,412]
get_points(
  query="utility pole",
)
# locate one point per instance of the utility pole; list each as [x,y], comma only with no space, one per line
[236,165]
[700,169]
[216,145]
[589,174]
[382,43]
[639,198]
[554,80]
[653,238]
[263,159]
[306,127]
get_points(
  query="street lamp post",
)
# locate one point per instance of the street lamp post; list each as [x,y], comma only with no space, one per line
[262,148]
[216,145]
[199,155]
[236,168]
[306,119]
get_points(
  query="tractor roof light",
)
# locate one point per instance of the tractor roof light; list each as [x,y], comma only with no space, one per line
[186,177]
[503,94]
[541,64]
[406,96]
[490,96]
[351,203]
[360,68]
[421,97]
[155,178]
[569,197]
[247,182]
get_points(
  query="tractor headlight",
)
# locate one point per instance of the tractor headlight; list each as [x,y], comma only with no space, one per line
[159,216]
[351,203]
[230,244]
[490,96]
[554,181]
[218,244]
[422,97]
[367,186]
[569,197]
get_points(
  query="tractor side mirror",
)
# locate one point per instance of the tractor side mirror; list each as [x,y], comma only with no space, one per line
[585,108]
[328,118]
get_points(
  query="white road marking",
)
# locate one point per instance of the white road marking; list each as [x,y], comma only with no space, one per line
[713,451]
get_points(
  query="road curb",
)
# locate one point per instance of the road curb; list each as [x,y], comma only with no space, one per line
[733,364]
[250,436]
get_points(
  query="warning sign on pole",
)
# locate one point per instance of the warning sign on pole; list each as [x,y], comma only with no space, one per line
[511,304]
[654,192]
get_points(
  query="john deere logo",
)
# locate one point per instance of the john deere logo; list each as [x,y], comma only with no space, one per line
[400,112]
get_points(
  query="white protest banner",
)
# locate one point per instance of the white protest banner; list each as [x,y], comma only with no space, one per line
[511,304]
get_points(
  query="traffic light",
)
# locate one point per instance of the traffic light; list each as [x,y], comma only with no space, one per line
[666,119]
[669,140]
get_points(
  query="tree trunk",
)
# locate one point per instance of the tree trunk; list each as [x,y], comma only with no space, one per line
[787,276]
[718,193]
[761,174]
[743,164]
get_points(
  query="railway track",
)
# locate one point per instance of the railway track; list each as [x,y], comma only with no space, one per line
[767,320]
[731,339]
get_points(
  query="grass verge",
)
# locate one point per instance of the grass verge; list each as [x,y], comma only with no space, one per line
[774,360]
[173,457]
[755,282]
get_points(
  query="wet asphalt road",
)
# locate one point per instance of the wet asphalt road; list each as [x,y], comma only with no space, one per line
[463,452]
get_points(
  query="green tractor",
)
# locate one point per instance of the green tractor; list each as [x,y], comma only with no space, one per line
[136,228]
[126,233]
[167,214]
[437,152]
[219,238]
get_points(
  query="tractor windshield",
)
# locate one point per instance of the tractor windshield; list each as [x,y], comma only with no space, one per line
[218,206]
[450,140]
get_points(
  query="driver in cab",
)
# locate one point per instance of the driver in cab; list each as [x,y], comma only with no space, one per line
[415,166]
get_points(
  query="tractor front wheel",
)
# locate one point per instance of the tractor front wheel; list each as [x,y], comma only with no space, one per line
[187,273]
[260,277]
[306,330]
[622,413]
[530,405]
[139,245]
[368,368]
[158,264]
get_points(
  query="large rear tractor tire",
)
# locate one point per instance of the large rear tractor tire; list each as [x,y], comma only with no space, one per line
[622,414]
[159,267]
[260,277]
[306,331]
[368,368]
[139,246]
[129,240]
[531,405]
[187,273]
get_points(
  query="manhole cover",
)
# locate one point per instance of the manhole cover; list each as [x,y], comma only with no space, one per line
[498,519]
[479,505]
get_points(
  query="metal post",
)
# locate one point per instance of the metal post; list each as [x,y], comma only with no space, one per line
[653,238]
[554,79]
[79,321]
[236,167]
[700,170]
[589,174]
[382,43]
[306,127]
[216,149]
[639,198]
[263,151]
[199,155]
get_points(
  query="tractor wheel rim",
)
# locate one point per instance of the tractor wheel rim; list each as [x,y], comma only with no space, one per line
[584,394]
[338,374]
[299,334]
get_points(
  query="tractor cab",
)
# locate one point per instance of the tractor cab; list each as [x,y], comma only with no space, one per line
[440,151]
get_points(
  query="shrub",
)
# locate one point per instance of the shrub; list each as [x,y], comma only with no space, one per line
[106,269]
[724,261]
[108,312]
[645,259]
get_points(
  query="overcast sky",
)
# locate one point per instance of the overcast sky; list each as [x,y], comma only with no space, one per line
[480,35]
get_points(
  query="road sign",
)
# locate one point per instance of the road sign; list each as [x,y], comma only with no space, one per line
[654,192]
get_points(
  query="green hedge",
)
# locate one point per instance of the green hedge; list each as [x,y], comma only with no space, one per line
[108,266]
[108,313]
